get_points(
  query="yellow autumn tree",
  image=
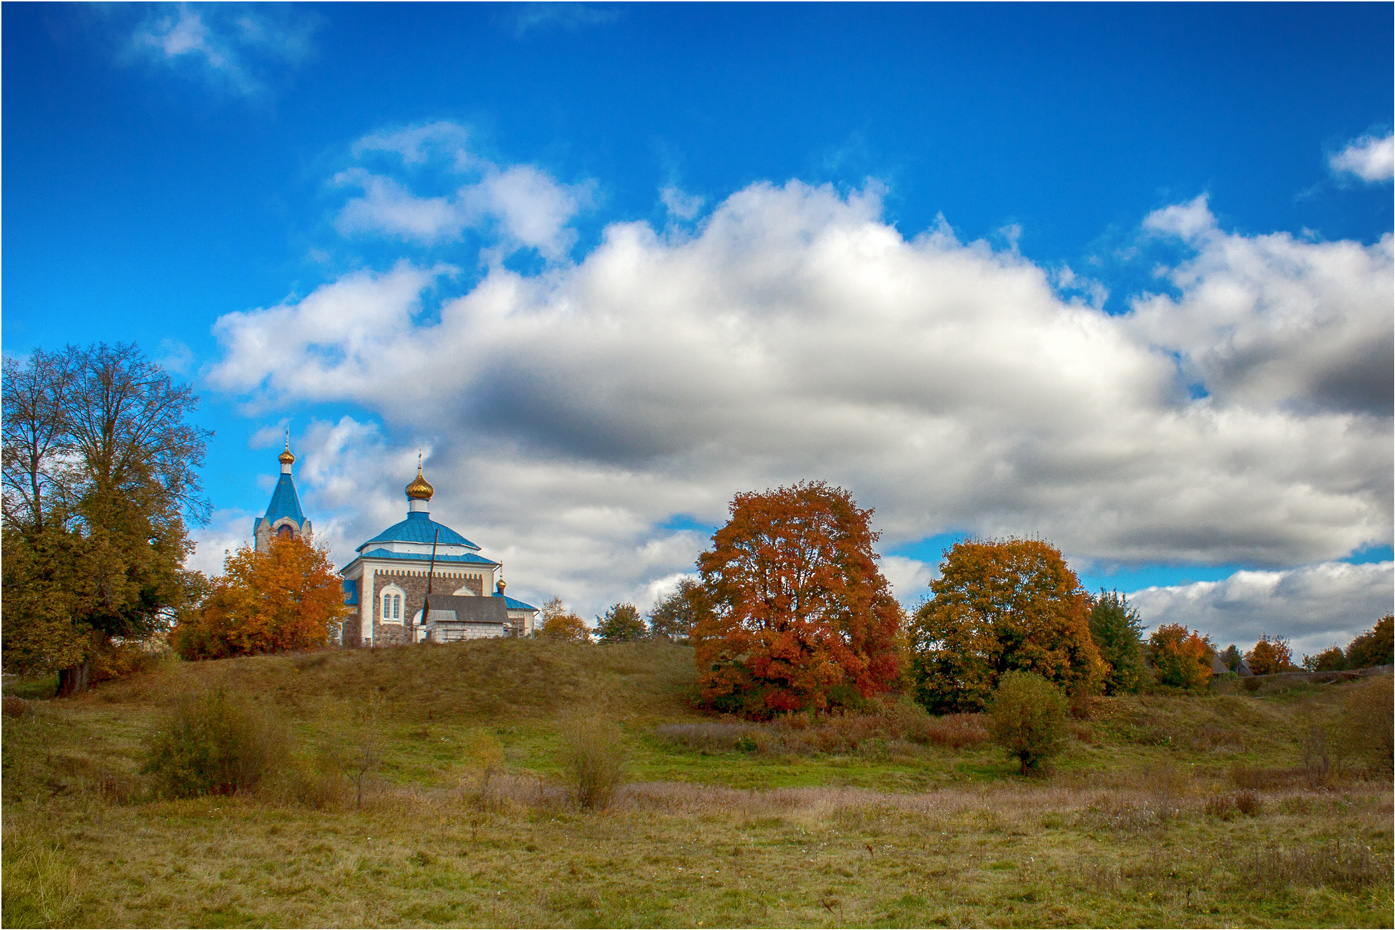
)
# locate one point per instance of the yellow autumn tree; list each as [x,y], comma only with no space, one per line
[1001,606]
[561,625]
[284,598]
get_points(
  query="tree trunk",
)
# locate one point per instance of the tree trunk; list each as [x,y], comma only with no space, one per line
[74,680]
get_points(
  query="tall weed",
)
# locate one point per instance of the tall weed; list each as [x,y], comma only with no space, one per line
[593,757]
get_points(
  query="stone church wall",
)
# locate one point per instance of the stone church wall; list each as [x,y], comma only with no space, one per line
[413,585]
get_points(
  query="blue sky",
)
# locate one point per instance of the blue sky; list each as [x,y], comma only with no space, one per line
[1116,275]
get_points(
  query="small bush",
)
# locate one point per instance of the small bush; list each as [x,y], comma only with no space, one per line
[121,661]
[1248,803]
[593,758]
[1027,717]
[211,744]
[13,706]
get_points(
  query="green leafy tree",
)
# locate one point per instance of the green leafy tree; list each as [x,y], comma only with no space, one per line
[1231,658]
[1001,606]
[1117,633]
[673,617]
[100,474]
[620,624]
[1181,658]
[1374,647]
[801,617]
[1027,717]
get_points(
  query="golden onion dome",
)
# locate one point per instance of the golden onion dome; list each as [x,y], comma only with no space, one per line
[287,457]
[420,489]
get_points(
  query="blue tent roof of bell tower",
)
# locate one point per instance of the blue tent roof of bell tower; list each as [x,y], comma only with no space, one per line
[285,502]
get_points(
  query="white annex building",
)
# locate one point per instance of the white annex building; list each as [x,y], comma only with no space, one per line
[386,585]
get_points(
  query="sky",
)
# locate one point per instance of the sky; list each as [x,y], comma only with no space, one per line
[1118,276]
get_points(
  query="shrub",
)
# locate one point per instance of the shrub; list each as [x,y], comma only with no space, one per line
[121,660]
[1027,717]
[593,758]
[211,744]
[1248,803]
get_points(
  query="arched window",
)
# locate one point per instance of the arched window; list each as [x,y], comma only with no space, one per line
[392,604]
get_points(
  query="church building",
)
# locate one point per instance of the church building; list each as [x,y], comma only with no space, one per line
[387,584]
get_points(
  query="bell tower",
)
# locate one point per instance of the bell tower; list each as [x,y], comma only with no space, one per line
[284,516]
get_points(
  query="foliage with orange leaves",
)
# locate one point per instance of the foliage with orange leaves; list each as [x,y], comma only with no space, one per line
[561,625]
[1270,656]
[1000,606]
[1181,657]
[283,598]
[802,619]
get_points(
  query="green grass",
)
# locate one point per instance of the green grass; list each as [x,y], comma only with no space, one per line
[467,821]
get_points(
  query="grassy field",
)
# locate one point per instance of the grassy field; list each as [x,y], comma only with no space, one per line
[1164,811]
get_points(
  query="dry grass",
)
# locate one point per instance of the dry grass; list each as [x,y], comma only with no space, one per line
[466,819]
[895,728]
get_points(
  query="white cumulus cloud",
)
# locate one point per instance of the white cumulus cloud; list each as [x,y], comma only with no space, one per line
[1272,321]
[516,206]
[1370,158]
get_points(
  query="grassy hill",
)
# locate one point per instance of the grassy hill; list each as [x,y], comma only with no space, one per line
[1165,810]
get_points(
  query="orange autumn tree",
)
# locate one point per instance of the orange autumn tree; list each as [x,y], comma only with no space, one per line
[1270,656]
[801,617]
[1181,657]
[1009,605]
[286,597]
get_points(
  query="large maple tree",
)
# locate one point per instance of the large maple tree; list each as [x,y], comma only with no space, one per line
[1000,606]
[801,619]
[284,598]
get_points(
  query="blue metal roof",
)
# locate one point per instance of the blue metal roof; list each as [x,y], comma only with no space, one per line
[417,528]
[351,592]
[513,603]
[285,502]
[469,557]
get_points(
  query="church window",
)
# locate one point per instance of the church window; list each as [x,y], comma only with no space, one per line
[392,605]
